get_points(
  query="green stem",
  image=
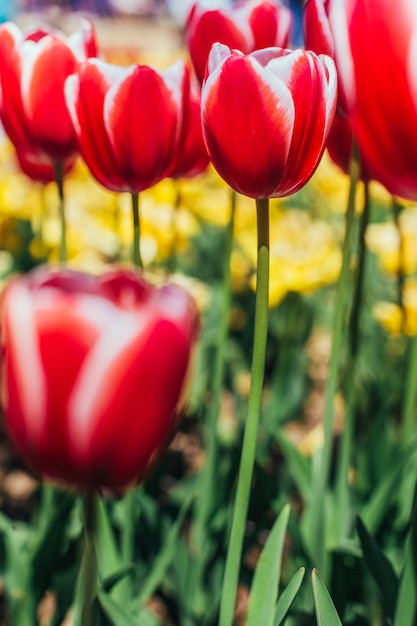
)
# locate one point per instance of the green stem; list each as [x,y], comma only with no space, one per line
[137,259]
[173,258]
[397,208]
[59,179]
[89,574]
[359,278]
[317,524]
[410,399]
[341,507]
[234,554]
[127,537]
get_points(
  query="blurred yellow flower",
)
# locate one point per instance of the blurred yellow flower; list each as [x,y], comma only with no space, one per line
[395,321]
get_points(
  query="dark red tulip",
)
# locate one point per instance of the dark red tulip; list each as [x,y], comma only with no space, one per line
[266,117]
[93,372]
[373,48]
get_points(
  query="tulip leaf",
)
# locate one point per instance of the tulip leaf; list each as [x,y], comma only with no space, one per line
[165,556]
[379,566]
[374,510]
[265,583]
[287,596]
[17,573]
[299,465]
[108,555]
[406,607]
[326,613]
[118,615]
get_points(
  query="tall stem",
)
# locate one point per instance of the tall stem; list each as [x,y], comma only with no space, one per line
[410,395]
[137,259]
[234,554]
[342,520]
[59,179]
[173,260]
[397,208]
[317,523]
[89,560]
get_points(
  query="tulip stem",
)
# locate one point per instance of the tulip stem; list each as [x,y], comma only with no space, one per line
[137,259]
[59,179]
[173,260]
[397,208]
[89,574]
[234,554]
[317,522]
[344,457]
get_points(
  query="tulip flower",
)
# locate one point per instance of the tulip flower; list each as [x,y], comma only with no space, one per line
[193,158]
[130,124]
[318,36]
[94,370]
[373,43]
[33,70]
[266,117]
[248,26]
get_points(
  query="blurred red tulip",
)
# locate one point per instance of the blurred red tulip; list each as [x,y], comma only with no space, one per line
[193,159]
[93,372]
[318,36]
[36,170]
[373,42]
[266,117]
[247,26]
[33,70]
[130,122]
[340,146]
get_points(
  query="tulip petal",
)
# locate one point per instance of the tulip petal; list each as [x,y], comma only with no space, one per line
[45,66]
[145,149]
[249,135]
[85,95]
[25,400]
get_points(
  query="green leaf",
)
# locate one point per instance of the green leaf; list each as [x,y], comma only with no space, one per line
[287,596]
[373,512]
[379,566]
[405,610]
[265,583]
[108,554]
[325,610]
[164,558]
[120,617]
[299,465]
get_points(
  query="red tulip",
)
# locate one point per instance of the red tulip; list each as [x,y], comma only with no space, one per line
[340,145]
[130,123]
[33,70]
[373,41]
[93,372]
[266,117]
[193,158]
[248,26]
[37,170]
[318,36]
